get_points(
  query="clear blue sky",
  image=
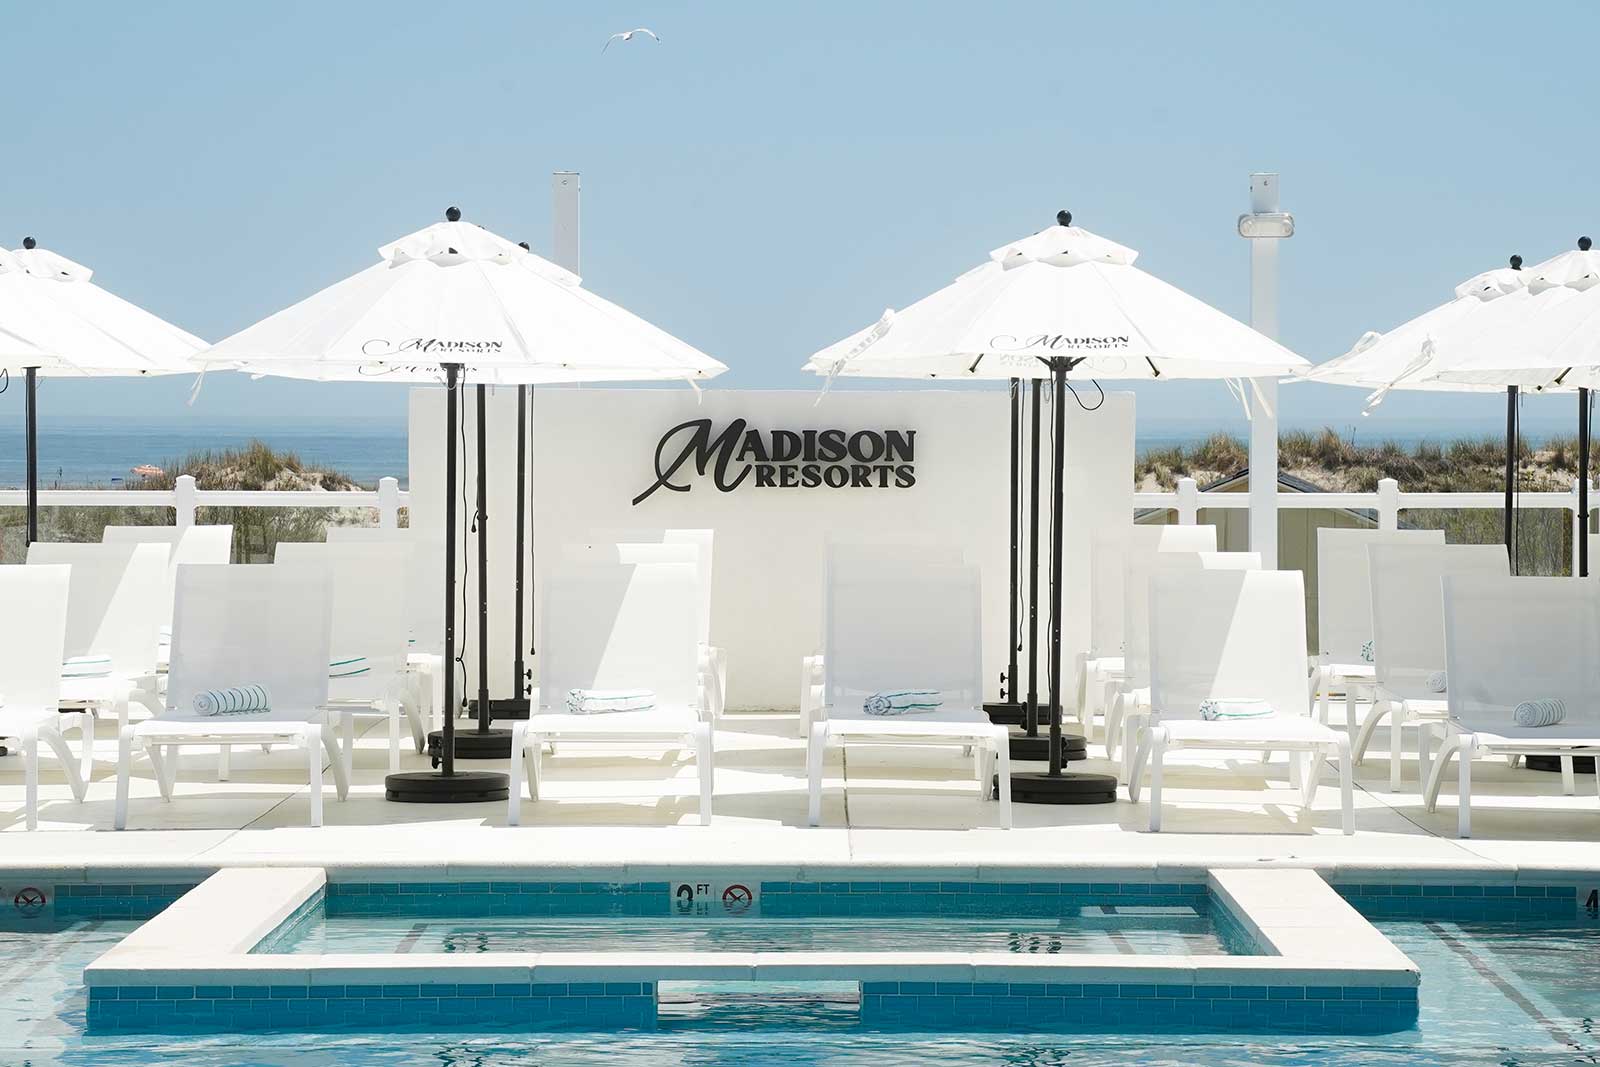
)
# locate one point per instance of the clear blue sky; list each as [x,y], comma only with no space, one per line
[770,177]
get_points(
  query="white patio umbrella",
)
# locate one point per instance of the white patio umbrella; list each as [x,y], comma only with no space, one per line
[448,304]
[1061,304]
[55,322]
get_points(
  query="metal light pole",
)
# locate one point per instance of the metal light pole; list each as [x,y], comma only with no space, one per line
[1264,227]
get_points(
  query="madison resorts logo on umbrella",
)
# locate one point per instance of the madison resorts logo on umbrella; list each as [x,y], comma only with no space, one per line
[784,459]
[380,346]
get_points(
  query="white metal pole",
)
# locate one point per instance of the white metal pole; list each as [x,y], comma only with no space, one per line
[1264,394]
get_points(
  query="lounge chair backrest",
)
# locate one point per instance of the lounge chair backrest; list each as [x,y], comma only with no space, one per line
[33,635]
[191,544]
[369,617]
[1344,586]
[1109,556]
[248,624]
[1218,634]
[655,552]
[1509,640]
[703,541]
[620,626]
[424,621]
[909,626]
[114,607]
[1407,612]
[1136,596]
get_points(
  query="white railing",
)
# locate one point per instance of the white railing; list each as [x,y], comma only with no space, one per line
[1388,502]
[184,498]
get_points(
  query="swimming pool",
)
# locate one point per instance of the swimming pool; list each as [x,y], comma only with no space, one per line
[1494,991]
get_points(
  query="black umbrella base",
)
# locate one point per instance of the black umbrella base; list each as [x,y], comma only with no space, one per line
[431,787]
[1580,764]
[472,743]
[1040,787]
[1037,749]
[502,708]
[1006,712]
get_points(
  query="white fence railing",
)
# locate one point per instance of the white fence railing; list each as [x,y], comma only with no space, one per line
[184,499]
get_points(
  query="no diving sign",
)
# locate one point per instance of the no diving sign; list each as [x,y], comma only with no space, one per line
[710,898]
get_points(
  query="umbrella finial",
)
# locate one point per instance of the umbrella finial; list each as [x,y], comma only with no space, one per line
[1584,244]
[1063,218]
[1516,262]
[524,246]
[452,214]
[29,243]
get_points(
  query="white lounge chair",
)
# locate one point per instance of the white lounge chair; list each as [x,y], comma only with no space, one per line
[1344,611]
[185,544]
[1109,555]
[911,626]
[113,612]
[610,626]
[367,669]
[1130,697]
[1510,640]
[33,632]
[239,625]
[1239,635]
[1408,638]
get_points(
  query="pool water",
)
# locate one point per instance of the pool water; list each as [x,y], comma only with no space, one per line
[1493,993]
[1097,928]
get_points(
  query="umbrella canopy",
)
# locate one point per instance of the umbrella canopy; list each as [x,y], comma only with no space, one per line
[55,319]
[1063,292]
[1551,342]
[1407,356]
[457,294]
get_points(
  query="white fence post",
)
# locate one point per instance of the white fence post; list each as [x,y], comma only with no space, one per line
[1188,501]
[1388,504]
[388,503]
[183,502]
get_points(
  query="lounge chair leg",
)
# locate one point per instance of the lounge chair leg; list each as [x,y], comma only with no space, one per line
[1130,734]
[1296,769]
[341,779]
[119,817]
[158,765]
[705,769]
[86,743]
[1396,734]
[519,738]
[1321,688]
[1158,751]
[1347,807]
[1569,780]
[1310,778]
[223,767]
[814,753]
[314,767]
[1002,759]
[1350,690]
[1141,755]
[536,768]
[1375,715]
[30,776]
[1469,749]
[1114,719]
[347,743]
[69,764]
[1424,750]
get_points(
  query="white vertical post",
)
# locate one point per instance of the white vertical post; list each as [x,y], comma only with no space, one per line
[1388,504]
[1264,391]
[565,187]
[1188,501]
[183,503]
[1578,528]
[388,504]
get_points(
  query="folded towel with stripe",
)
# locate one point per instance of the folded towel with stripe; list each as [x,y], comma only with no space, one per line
[1545,712]
[1438,681]
[606,701]
[235,700]
[348,668]
[86,667]
[889,702]
[1225,709]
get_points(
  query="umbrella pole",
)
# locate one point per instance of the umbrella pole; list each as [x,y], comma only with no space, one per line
[447,785]
[1057,786]
[1008,710]
[1033,568]
[1511,475]
[30,396]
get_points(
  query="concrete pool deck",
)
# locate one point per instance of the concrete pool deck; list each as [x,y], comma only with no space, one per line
[621,816]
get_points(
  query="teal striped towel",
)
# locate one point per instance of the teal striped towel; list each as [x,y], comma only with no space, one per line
[1366,653]
[1438,681]
[86,667]
[1224,709]
[1545,712]
[237,700]
[888,702]
[606,701]
[348,668]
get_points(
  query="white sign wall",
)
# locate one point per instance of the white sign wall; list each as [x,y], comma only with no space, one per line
[917,466]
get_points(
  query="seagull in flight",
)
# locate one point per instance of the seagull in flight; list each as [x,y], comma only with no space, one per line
[629,35]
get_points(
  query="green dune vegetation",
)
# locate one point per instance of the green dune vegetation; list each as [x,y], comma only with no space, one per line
[254,467]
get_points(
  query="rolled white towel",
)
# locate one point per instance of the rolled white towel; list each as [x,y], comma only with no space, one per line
[86,666]
[606,701]
[1545,712]
[1437,682]
[1222,709]
[236,700]
[891,702]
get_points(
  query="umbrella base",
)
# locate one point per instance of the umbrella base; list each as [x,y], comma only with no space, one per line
[1006,712]
[462,787]
[503,708]
[1580,764]
[1041,787]
[1074,747]
[472,743]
